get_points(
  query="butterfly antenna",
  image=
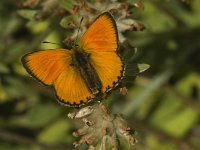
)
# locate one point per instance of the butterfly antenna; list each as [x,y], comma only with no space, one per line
[78,31]
[51,43]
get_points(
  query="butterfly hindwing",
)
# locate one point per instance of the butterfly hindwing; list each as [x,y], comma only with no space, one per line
[53,67]
[71,88]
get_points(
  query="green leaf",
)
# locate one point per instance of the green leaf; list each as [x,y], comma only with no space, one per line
[173,118]
[26,13]
[185,85]
[154,143]
[4,68]
[17,89]
[143,67]
[38,116]
[56,132]
[65,22]
[68,5]
[37,26]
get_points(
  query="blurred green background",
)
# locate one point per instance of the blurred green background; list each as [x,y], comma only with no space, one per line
[162,104]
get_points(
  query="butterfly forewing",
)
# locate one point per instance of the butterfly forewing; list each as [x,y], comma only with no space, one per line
[46,65]
[101,35]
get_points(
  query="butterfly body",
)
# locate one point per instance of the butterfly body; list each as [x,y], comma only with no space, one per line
[82,62]
[86,72]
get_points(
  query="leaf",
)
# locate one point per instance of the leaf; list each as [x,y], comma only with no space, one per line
[27,13]
[42,114]
[4,68]
[37,26]
[154,143]
[186,84]
[56,132]
[16,88]
[68,5]
[172,115]
[66,21]
[143,67]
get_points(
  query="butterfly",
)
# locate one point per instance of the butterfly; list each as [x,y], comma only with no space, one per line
[86,72]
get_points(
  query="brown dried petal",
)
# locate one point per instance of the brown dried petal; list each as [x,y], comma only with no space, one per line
[81,113]
[139,5]
[123,90]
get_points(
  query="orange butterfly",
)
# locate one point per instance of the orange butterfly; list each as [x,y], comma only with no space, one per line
[85,72]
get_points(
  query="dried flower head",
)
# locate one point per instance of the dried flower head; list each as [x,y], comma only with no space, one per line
[100,126]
